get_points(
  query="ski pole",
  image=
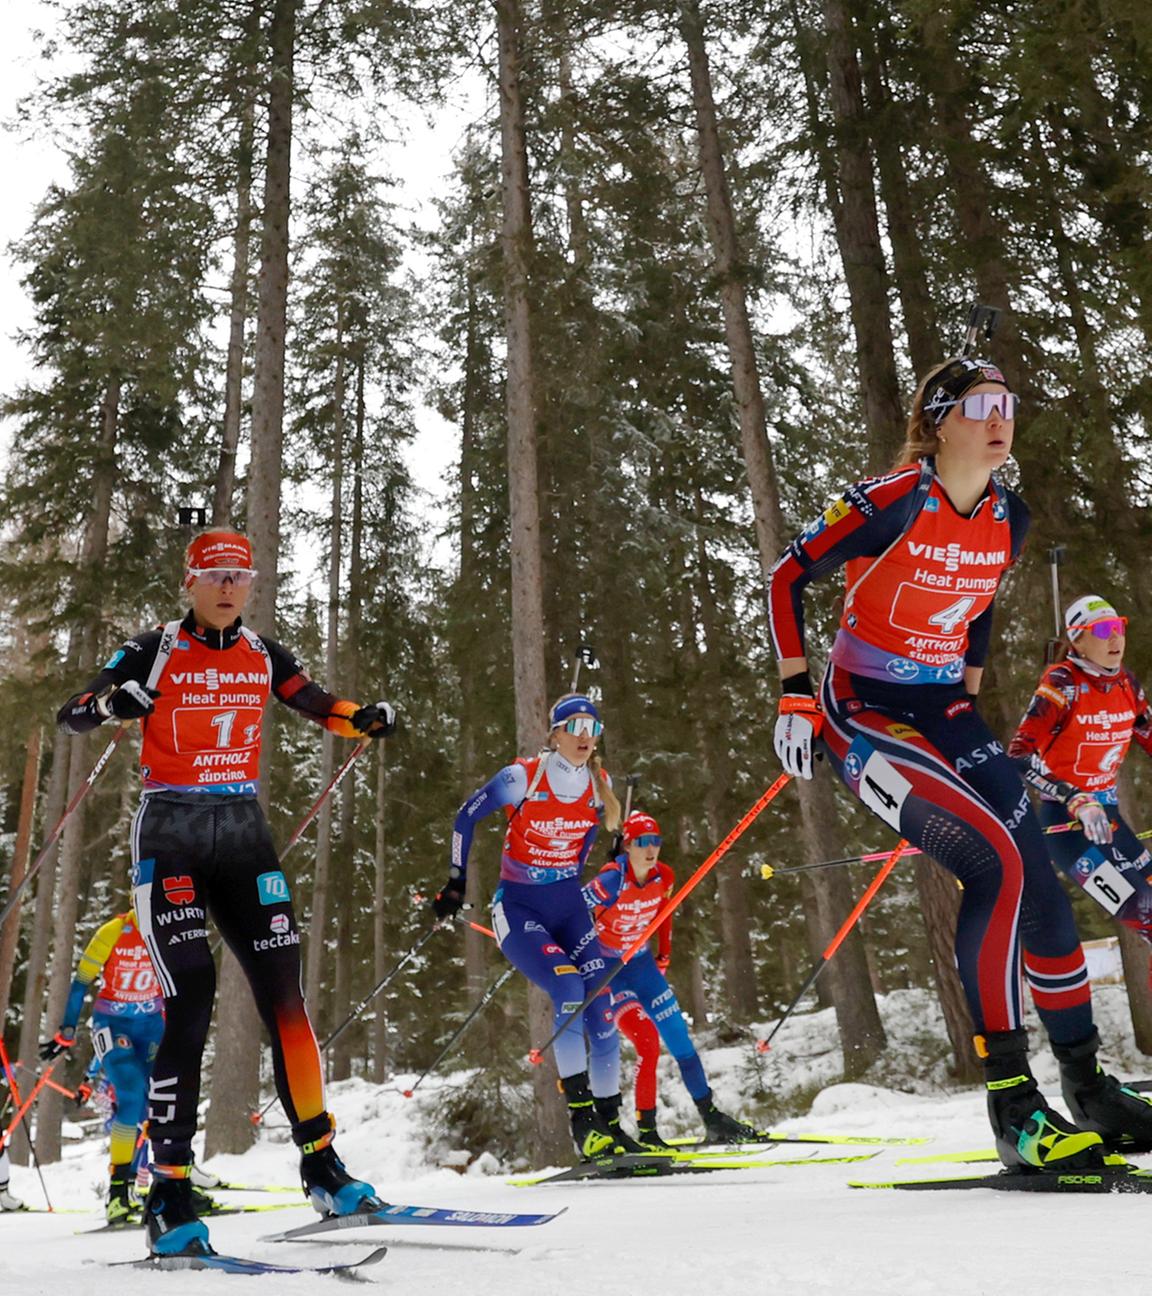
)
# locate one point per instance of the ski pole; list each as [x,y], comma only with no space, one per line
[336,780]
[53,836]
[33,1094]
[485,999]
[60,1089]
[1053,646]
[768,871]
[762,1046]
[585,656]
[631,783]
[14,1093]
[536,1055]
[380,985]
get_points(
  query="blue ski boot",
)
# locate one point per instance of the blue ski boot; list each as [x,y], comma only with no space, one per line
[331,1189]
[170,1217]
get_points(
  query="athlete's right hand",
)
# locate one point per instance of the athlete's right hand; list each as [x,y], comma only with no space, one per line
[797,727]
[64,1038]
[83,1093]
[1093,818]
[449,900]
[131,701]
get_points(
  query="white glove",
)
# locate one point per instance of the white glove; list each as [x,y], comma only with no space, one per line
[797,727]
[1093,818]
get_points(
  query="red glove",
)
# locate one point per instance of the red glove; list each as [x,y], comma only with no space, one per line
[662,961]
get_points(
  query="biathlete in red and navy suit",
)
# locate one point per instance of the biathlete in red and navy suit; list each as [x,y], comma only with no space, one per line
[554,804]
[1086,712]
[925,549]
[625,897]
[200,845]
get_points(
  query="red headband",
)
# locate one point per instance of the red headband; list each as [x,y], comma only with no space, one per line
[637,824]
[219,549]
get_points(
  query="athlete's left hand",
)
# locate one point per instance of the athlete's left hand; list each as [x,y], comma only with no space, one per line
[375,721]
[64,1038]
[449,900]
[797,727]
[1093,818]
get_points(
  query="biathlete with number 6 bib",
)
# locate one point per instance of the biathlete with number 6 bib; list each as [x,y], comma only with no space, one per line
[127,1026]
[555,803]
[1083,717]
[625,896]
[200,845]
[925,549]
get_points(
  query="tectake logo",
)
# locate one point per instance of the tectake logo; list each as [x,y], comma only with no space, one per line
[279,923]
[179,890]
[273,888]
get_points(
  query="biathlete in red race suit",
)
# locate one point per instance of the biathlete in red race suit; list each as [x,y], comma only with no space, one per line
[127,1025]
[554,805]
[625,897]
[925,549]
[200,845]
[1083,717]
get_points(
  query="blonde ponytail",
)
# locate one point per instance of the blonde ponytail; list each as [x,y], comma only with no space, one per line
[612,811]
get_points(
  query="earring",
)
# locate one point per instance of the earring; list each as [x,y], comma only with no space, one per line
[943,440]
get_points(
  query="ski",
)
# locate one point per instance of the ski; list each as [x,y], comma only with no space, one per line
[1111,1180]
[389,1216]
[770,1137]
[121,1225]
[640,1166]
[237,1265]
[979,1155]
[254,1188]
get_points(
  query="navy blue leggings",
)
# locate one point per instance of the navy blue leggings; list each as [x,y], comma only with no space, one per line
[922,760]
[546,931]
[642,982]
[1086,865]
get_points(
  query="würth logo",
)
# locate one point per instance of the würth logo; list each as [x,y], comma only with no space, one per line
[179,890]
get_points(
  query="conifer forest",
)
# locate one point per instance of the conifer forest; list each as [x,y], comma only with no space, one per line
[686,263]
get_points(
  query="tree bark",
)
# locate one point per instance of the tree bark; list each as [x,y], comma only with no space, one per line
[318,926]
[237,322]
[380,949]
[21,853]
[940,905]
[858,238]
[552,1139]
[862,1035]
[236,1068]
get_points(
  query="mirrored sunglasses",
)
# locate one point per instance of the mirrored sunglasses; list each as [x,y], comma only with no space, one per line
[981,405]
[584,725]
[218,575]
[646,839]
[1108,627]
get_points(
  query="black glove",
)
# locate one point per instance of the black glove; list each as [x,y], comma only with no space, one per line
[131,701]
[448,901]
[83,1093]
[64,1038]
[375,721]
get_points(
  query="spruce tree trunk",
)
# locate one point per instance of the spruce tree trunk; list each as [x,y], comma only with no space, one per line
[862,1036]
[552,1139]
[235,1090]
[318,925]
[940,906]
[380,951]
[858,238]
[237,321]
[1133,948]
[21,855]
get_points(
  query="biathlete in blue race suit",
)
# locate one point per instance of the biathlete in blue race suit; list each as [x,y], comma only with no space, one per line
[626,896]
[555,803]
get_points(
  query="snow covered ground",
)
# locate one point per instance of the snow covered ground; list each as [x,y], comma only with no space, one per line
[793,1230]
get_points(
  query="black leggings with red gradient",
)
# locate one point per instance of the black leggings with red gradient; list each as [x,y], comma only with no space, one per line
[922,760]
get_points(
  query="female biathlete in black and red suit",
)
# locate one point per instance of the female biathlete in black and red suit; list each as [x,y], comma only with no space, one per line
[925,549]
[200,844]
[1082,719]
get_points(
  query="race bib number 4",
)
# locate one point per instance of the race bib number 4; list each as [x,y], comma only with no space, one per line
[877,782]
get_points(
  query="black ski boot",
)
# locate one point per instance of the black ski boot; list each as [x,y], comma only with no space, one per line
[1028,1132]
[608,1109]
[327,1184]
[719,1127]
[1099,1102]
[590,1131]
[119,1206]
[170,1218]
[647,1133]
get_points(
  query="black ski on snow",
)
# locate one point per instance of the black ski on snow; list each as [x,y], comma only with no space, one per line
[768,1137]
[633,1165]
[389,1216]
[237,1265]
[1127,1180]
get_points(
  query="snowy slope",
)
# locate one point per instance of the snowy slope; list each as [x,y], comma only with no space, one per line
[795,1230]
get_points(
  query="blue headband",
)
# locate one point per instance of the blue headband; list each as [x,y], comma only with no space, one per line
[947,387]
[571,706]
